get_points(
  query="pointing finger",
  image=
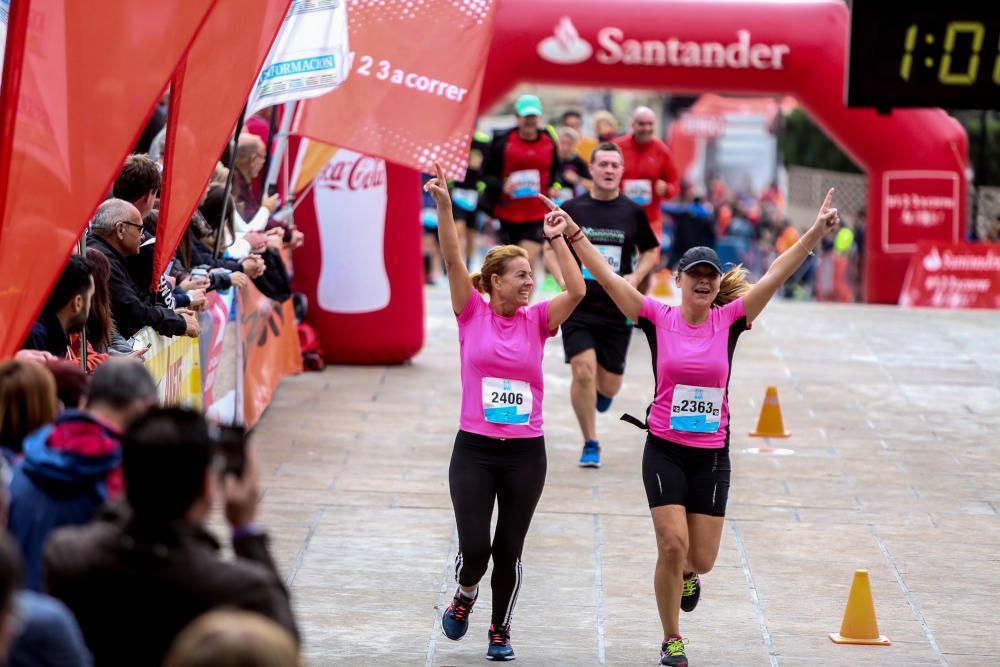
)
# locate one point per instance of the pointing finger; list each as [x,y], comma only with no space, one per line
[440,173]
[828,200]
[548,202]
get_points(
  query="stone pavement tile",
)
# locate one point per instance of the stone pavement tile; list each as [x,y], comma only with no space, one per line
[879,455]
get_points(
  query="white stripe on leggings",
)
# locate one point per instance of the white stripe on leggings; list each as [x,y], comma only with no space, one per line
[518,571]
[459,561]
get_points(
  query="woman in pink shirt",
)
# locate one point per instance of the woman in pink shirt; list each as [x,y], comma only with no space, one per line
[685,464]
[499,453]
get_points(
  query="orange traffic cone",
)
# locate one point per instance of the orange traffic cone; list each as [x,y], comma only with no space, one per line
[770,424]
[661,284]
[859,625]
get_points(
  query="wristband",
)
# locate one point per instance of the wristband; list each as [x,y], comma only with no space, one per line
[246,530]
[575,237]
[550,239]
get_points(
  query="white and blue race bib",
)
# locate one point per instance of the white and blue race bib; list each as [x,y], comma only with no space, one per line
[506,401]
[526,182]
[612,254]
[696,409]
[639,190]
[465,199]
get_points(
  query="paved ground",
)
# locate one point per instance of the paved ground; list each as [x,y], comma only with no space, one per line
[894,416]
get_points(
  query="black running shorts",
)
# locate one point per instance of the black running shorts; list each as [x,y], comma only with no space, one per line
[512,233]
[609,342]
[693,477]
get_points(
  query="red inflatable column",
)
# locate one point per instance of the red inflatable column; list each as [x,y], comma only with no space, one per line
[361,264]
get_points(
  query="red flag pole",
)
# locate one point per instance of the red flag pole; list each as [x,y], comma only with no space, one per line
[10,94]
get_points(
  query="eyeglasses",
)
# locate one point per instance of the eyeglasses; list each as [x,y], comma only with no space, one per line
[130,224]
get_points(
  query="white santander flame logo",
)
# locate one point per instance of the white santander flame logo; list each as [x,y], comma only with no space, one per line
[932,261]
[565,47]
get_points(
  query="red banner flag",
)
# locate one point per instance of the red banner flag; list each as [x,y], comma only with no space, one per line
[80,80]
[953,275]
[209,91]
[414,86]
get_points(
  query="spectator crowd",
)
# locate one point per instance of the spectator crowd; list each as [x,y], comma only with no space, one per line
[107,558]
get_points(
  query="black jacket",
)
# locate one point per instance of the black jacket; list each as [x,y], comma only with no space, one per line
[134,590]
[493,165]
[131,305]
[47,334]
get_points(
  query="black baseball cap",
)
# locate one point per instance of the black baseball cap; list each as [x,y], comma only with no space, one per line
[700,255]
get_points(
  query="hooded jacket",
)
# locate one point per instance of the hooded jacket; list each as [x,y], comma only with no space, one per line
[70,469]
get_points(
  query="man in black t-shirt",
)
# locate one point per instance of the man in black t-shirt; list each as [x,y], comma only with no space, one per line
[596,335]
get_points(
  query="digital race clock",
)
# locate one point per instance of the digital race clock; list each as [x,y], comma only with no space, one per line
[925,53]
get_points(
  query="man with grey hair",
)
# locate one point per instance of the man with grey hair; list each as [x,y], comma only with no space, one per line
[73,466]
[650,175]
[116,231]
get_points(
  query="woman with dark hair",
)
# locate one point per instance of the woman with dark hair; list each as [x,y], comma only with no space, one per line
[207,235]
[103,339]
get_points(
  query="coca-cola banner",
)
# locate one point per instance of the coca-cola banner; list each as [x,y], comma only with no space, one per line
[956,275]
[363,273]
[414,85]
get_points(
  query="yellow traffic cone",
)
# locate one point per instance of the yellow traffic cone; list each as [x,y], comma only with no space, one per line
[661,284]
[770,424]
[859,625]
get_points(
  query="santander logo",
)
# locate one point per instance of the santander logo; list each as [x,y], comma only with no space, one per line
[565,47]
[614,47]
[932,261]
[354,172]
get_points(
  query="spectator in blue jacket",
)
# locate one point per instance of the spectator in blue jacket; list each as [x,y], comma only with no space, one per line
[73,466]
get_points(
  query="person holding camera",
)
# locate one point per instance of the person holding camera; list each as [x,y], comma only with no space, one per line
[159,557]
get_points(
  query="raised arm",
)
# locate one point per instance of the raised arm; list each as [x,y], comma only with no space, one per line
[787,262]
[451,251]
[627,298]
[562,304]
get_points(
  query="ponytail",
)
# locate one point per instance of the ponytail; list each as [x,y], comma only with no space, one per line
[477,282]
[735,283]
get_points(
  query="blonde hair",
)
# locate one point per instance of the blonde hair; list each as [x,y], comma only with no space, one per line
[735,283]
[607,117]
[495,264]
[233,638]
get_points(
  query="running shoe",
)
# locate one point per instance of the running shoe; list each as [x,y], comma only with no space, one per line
[672,652]
[603,402]
[455,620]
[500,648]
[591,457]
[691,592]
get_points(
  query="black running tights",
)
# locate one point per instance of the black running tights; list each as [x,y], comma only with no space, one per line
[512,472]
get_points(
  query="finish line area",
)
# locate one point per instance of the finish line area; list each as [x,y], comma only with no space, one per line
[894,470]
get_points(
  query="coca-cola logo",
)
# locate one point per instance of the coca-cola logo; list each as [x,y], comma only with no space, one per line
[356,172]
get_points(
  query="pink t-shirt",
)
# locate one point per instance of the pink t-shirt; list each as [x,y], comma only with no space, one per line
[502,369]
[692,366]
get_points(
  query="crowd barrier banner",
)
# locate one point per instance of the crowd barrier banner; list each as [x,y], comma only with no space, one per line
[220,343]
[955,275]
[247,344]
[175,364]
[270,349]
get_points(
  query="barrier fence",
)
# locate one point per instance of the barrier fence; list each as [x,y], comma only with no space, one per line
[248,342]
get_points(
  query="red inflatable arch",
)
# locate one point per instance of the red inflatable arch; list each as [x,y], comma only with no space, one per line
[915,159]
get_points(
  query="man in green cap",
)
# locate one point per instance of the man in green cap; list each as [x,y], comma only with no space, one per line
[521,163]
